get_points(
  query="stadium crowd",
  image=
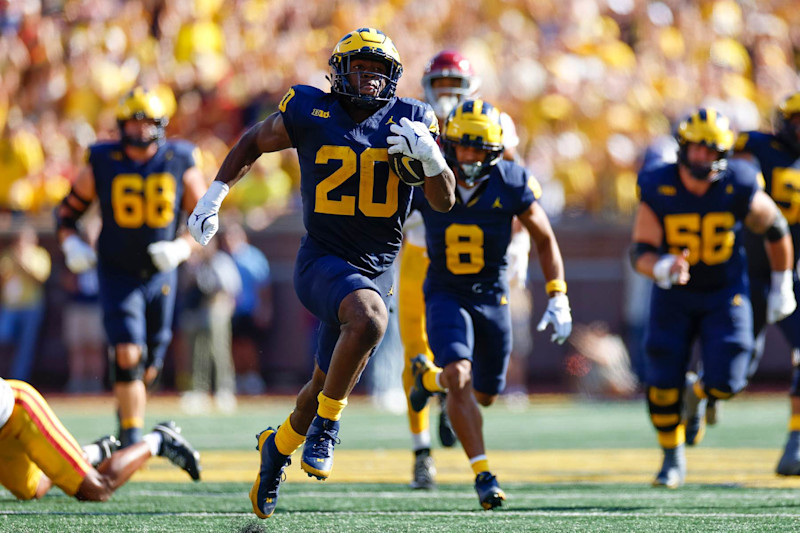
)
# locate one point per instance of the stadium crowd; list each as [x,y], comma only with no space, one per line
[589,83]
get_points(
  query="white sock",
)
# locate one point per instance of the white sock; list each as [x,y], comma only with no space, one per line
[153,440]
[421,440]
[473,460]
[93,453]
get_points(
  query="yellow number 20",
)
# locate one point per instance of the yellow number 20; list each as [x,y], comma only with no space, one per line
[709,238]
[137,201]
[346,204]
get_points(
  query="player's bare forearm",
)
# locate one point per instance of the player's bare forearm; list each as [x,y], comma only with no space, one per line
[440,191]
[780,253]
[550,259]
[240,158]
[269,135]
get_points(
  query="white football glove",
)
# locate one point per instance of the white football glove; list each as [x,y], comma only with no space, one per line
[167,255]
[558,314]
[780,301]
[661,271]
[78,254]
[204,221]
[414,139]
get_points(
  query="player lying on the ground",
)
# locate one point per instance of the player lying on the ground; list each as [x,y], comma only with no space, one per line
[37,451]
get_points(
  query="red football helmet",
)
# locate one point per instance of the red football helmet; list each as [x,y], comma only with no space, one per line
[451,65]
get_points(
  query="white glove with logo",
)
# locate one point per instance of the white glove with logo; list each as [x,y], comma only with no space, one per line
[558,314]
[78,255]
[167,255]
[204,221]
[414,139]
[780,301]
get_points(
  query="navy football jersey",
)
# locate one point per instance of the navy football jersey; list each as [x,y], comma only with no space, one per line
[139,202]
[708,226]
[781,170]
[353,206]
[467,246]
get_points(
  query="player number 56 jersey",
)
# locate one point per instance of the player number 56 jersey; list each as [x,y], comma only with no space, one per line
[708,226]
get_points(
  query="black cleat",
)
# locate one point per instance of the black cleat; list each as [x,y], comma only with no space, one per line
[424,471]
[447,435]
[418,395]
[489,492]
[177,449]
[108,445]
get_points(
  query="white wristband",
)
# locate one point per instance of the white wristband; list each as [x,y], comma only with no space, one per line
[781,280]
[435,165]
[216,193]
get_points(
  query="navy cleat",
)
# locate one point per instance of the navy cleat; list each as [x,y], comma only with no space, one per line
[424,471]
[108,445]
[418,395]
[447,435]
[318,450]
[673,469]
[264,493]
[177,449]
[789,464]
[694,411]
[489,492]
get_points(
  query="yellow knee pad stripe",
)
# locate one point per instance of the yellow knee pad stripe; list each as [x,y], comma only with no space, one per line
[664,421]
[663,397]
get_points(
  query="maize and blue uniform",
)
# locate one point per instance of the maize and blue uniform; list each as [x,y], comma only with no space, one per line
[714,306]
[140,204]
[466,288]
[781,169]
[353,206]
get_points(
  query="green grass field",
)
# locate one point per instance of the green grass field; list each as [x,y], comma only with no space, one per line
[565,465]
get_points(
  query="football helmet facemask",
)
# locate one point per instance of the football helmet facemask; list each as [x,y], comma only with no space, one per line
[473,123]
[365,43]
[708,127]
[142,104]
[785,129]
[451,65]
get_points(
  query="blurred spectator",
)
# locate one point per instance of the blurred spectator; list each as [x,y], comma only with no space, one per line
[213,284]
[82,325]
[24,268]
[600,367]
[253,314]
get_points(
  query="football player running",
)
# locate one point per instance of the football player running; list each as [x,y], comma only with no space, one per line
[778,155]
[37,451]
[353,211]
[466,288]
[687,237]
[449,79]
[142,183]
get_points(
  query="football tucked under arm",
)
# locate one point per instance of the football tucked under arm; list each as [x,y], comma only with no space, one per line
[408,169]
